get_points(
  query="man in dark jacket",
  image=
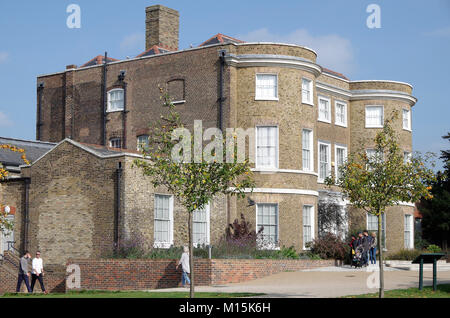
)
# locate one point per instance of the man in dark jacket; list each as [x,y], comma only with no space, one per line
[366,242]
[24,273]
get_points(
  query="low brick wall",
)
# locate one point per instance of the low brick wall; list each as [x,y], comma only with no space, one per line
[113,274]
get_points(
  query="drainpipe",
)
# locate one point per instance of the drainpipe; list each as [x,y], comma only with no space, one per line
[119,171]
[221,82]
[125,111]
[105,101]
[39,114]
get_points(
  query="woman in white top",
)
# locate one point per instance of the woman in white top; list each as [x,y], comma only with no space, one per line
[184,262]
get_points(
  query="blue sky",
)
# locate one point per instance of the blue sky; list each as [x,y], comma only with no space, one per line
[412,45]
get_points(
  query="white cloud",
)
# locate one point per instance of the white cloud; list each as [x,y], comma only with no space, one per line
[4,120]
[3,56]
[442,32]
[333,51]
[132,42]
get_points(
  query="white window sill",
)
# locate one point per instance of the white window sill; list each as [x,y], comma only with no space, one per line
[164,245]
[341,125]
[267,98]
[408,129]
[114,111]
[179,102]
[265,169]
[308,103]
[324,121]
[377,127]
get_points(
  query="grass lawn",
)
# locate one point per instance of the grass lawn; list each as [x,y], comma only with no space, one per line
[129,294]
[443,291]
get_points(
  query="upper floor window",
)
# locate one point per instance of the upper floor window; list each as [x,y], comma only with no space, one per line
[267,147]
[163,230]
[142,142]
[176,90]
[341,114]
[406,119]
[307,150]
[324,160]
[115,143]
[341,157]
[115,100]
[407,157]
[324,110]
[307,91]
[266,87]
[374,117]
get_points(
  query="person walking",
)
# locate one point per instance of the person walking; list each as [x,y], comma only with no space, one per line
[373,249]
[24,273]
[37,272]
[184,262]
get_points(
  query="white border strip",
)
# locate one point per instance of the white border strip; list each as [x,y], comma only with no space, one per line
[281,191]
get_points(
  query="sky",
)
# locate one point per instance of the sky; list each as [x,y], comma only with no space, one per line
[412,45]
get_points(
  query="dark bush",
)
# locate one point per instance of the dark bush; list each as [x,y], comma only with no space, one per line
[330,247]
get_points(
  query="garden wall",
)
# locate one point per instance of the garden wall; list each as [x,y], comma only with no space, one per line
[154,274]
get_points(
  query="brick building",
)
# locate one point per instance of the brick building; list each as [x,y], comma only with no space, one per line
[307,119]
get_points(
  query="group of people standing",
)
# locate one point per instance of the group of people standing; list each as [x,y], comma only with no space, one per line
[37,272]
[367,245]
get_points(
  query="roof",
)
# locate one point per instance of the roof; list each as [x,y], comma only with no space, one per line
[220,38]
[33,151]
[155,49]
[99,59]
[328,71]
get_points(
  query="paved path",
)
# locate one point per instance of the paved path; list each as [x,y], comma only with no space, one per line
[324,282]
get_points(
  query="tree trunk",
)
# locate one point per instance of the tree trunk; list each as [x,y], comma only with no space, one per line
[191,256]
[380,255]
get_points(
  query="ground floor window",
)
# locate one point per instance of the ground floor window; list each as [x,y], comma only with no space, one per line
[372,226]
[163,231]
[200,227]
[409,236]
[267,218]
[7,237]
[308,225]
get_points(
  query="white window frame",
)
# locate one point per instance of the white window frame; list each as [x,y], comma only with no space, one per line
[382,116]
[311,150]
[257,97]
[269,246]
[112,140]
[328,100]
[139,143]
[336,166]
[312,225]
[343,124]
[208,226]
[108,108]
[407,156]
[157,244]
[320,142]
[311,92]
[383,220]
[411,232]
[257,165]
[408,127]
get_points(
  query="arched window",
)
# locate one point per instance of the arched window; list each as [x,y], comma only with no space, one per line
[115,100]
[115,143]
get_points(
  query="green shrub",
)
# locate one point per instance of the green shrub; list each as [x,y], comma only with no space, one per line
[433,249]
[404,255]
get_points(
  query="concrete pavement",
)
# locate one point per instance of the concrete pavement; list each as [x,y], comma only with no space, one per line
[326,282]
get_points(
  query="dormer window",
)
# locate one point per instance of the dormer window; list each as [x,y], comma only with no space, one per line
[115,100]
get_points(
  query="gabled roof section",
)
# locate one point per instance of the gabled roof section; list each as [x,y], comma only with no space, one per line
[328,71]
[96,150]
[220,38]
[155,49]
[99,59]
[33,151]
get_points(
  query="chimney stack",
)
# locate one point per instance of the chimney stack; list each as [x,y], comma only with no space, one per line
[162,27]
